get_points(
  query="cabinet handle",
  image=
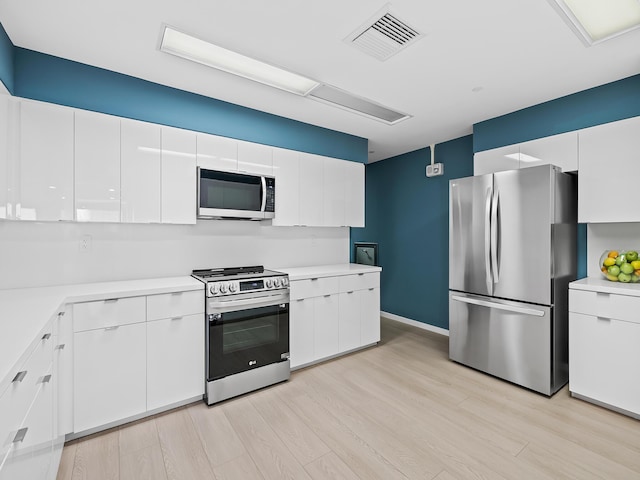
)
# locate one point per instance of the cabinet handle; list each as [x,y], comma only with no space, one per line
[19,376]
[349,293]
[603,319]
[314,279]
[60,347]
[176,318]
[46,336]
[114,327]
[111,300]
[46,379]
[360,274]
[371,289]
[177,293]
[300,300]
[61,314]
[20,434]
[327,296]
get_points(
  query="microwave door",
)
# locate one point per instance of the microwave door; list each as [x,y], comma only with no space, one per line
[230,195]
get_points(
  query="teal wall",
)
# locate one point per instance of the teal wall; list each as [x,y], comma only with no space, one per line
[407,215]
[51,79]
[6,60]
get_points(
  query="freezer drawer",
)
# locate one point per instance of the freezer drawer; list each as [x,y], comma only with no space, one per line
[510,340]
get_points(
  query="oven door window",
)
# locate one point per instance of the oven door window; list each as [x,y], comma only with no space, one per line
[230,191]
[247,339]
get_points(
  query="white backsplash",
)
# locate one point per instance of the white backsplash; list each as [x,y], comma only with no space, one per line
[39,253]
[609,236]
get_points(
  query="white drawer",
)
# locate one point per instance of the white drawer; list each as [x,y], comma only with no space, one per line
[360,281]
[314,287]
[177,304]
[108,313]
[605,305]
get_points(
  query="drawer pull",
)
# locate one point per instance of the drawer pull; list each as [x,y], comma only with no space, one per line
[114,327]
[177,293]
[46,379]
[46,336]
[60,347]
[349,293]
[327,296]
[111,300]
[360,274]
[176,318]
[19,376]
[603,319]
[20,434]
[314,279]
[61,314]
[300,300]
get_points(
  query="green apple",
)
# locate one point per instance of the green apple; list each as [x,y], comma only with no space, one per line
[620,259]
[614,270]
[632,256]
[624,278]
[626,268]
[635,278]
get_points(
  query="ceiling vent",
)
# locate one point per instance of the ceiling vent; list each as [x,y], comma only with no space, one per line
[383,35]
[345,100]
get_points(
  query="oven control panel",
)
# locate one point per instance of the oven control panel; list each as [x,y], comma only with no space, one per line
[234,287]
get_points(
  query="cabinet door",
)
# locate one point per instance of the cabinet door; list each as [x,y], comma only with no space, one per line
[301,334]
[175,360]
[255,158]
[140,172]
[496,160]
[609,169]
[179,182]
[604,359]
[5,137]
[217,153]
[350,321]
[286,169]
[354,174]
[63,375]
[46,162]
[560,150]
[109,375]
[97,167]
[370,316]
[311,189]
[333,194]
[327,326]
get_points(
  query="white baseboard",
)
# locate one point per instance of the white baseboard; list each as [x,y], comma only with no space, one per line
[415,323]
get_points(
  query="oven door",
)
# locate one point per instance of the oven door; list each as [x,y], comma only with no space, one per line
[246,337]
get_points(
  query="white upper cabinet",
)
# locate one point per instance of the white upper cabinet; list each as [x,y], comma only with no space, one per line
[140,172]
[311,186]
[354,174]
[217,153]
[286,169]
[5,141]
[45,190]
[496,160]
[255,158]
[97,167]
[333,198]
[609,171]
[559,150]
[179,182]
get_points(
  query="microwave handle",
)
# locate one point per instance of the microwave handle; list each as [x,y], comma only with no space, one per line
[264,193]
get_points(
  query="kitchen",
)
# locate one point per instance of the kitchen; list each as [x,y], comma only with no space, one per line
[128,252]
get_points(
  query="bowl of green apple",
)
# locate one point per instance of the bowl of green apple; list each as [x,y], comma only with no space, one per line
[620,266]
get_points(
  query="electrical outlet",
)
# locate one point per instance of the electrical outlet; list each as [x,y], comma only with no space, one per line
[85,243]
[435,170]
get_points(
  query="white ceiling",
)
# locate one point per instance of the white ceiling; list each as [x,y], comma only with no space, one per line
[520,52]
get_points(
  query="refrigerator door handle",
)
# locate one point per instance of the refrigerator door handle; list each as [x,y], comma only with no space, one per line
[487,240]
[494,236]
[499,306]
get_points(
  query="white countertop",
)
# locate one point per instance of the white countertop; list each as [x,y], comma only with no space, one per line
[24,312]
[317,271]
[602,285]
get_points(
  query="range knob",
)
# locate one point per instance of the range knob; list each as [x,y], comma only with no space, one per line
[277,282]
[213,289]
[232,287]
[269,283]
[285,281]
[223,288]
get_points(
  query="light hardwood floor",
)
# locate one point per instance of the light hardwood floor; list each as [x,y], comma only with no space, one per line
[398,410]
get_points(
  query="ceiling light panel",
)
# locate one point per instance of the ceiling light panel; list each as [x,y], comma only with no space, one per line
[598,20]
[200,51]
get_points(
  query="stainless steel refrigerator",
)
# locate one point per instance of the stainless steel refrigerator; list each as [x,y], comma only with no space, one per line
[512,241]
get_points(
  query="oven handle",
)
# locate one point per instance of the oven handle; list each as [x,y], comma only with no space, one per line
[263,182]
[222,306]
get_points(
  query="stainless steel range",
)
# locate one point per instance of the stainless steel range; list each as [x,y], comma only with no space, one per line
[247,330]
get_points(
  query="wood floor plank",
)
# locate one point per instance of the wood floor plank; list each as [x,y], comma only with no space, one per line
[444,475]
[65,470]
[143,464]
[138,435]
[182,450]
[301,441]
[271,456]
[240,468]
[97,457]
[330,467]
[219,439]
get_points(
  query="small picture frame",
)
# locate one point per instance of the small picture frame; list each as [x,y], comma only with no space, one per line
[366,253]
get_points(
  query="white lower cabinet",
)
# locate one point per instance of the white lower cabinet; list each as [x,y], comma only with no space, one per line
[109,375]
[604,358]
[326,326]
[370,316]
[175,359]
[349,320]
[301,331]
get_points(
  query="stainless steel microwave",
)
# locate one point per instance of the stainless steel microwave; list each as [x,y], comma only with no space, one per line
[235,195]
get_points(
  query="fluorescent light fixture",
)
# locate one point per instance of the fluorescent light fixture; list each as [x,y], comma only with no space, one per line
[200,51]
[595,21]
[523,157]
